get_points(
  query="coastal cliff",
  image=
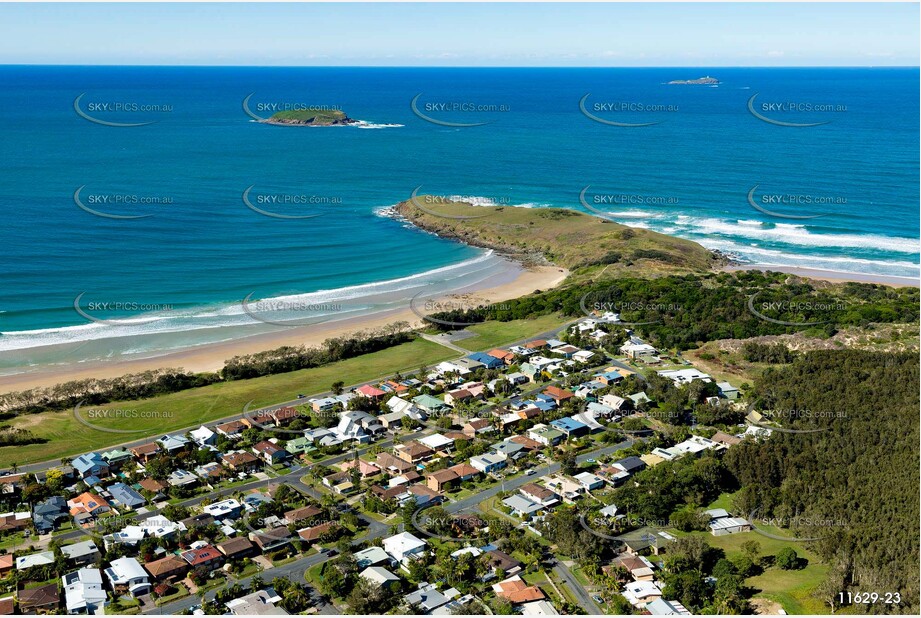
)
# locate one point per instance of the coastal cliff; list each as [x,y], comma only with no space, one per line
[559,236]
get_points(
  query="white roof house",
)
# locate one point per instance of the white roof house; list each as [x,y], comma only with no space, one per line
[39,559]
[371,556]
[634,349]
[83,591]
[203,435]
[404,546]
[259,603]
[684,376]
[436,441]
[378,575]
[589,481]
[539,608]
[223,509]
[128,572]
[641,592]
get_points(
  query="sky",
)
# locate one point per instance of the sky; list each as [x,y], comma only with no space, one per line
[383,34]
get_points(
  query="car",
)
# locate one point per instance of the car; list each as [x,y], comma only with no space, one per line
[597,599]
[589,461]
[529,473]
[299,396]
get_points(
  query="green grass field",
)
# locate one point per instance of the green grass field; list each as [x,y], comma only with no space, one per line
[66,436]
[493,334]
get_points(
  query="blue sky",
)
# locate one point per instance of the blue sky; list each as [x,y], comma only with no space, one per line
[686,34]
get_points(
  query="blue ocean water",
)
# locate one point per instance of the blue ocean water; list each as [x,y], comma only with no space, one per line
[202,249]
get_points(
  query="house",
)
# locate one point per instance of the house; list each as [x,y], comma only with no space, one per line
[429,404]
[83,593]
[302,514]
[156,527]
[583,356]
[272,539]
[538,608]
[441,480]
[371,392]
[127,575]
[207,558]
[357,425]
[392,464]
[488,463]
[87,506]
[424,495]
[404,547]
[427,599]
[722,524]
[7,606]
[203,436]
[145,452]
[6,565]
[538,494]
[284,415]
[46,598]
[236,549]
[537,344]
[521,506]
[380,576]
[41,558]
[123,495]
[639,398]
[225,509]
[153,486]
[413,452]
[684,376]
[91,464]
[372,556]
[566,488]
[725,439]
[547,436]
[437,442]
[497,560]
[505,356]
[488,360]
[517,591]
[559,395]
[182,478]
[47,514]
[241,461]
[478,426]
[642,592]
[173,444]
[634,349]
[232,429]
[616,403]
[570,427]
[661,607]
[609,378]
[117,457]
[259,603]
[728,391]
[313,534]
[509,450]
[81,554]
[170,568]
[589,481]
[639,567]
[565,350]
[270,452]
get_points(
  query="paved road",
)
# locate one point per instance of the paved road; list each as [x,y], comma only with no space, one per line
[570,581]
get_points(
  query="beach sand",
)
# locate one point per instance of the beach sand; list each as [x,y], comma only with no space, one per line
[211,357]
[829,275]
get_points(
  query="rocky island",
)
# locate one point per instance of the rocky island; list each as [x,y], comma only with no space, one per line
[699,81]
[311,117]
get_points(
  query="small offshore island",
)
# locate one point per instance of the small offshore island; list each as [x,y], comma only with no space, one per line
[706,81]
[311,118]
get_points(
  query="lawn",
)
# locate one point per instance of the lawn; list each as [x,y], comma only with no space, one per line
[792,589]
[66,436]
[494,334]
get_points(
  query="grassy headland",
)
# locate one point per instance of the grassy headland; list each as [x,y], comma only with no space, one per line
[319,117]
[564,237]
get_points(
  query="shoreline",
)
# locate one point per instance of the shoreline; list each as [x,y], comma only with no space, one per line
[211,356]
[833,276]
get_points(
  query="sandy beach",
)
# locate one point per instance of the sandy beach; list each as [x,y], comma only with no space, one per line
[829,275]
[211,357]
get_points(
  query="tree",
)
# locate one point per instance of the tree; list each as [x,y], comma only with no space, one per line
[752,549]
[568,463]
[787,559]
[337,387]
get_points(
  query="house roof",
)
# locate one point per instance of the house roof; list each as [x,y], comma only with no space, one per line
[539,492]
[235,546]
[39,597]
[156,568]
[315,532]
[369,391]
[516,590]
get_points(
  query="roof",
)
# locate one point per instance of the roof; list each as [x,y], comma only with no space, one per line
[378,575]
[165,565]
[568,424]
[371,556]
[123,570]
[369,391]
[521,504]
[539,492]
[38,597]
[235,546]
[516,590]
[315,532]
[77,550]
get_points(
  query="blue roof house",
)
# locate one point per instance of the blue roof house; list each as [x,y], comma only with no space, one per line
[491,362]
[91,464]
[570,426]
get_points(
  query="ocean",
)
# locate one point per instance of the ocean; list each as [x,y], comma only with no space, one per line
[121,240]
